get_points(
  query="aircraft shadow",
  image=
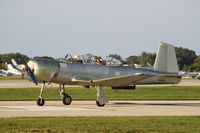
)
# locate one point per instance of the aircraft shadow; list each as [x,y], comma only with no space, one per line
[159,104]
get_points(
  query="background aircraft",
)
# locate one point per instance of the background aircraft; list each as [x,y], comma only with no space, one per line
[5,73]
[63,72]
[12,70]
[189,75]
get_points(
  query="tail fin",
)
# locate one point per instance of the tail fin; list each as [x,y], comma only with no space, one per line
[14,66]
[14,62]
[166,59]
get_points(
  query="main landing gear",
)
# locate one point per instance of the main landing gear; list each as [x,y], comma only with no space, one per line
[66,99]
[101,98]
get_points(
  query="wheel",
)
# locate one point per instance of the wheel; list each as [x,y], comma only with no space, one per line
[40,102]
[99,105]
[66,100]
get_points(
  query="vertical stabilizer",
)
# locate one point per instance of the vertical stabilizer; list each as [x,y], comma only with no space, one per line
[166,59]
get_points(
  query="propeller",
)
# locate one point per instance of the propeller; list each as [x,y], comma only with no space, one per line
[26,70]
[30,73]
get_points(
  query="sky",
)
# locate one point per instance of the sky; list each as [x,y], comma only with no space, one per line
[99,27]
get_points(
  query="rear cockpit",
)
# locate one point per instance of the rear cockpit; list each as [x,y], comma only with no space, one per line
[90,59]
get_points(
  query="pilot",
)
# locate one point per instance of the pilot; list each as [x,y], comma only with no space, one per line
[76,59]
[98,61]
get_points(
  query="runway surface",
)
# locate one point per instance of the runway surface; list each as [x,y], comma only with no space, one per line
[89,108]
[26,83]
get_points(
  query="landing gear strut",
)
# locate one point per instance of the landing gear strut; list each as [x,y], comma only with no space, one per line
[101,98]
[40,100]
[66,99]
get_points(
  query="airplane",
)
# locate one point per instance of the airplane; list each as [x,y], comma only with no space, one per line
[188,75]
[12,69]
[15,72]
[5,73]
[165,71]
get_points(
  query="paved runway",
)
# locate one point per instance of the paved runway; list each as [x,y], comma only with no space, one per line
[88,108]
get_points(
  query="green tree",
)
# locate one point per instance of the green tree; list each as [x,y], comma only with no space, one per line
[44,57]
[18,57]
[133,60]
[2,66]
[196,65]
[147,58]
[185,57]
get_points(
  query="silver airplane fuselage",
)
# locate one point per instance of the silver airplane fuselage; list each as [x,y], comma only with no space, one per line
[62,72]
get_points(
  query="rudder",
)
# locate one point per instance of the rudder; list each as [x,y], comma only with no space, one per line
[166,60]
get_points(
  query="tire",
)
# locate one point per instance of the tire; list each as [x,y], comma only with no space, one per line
[40,102]
[66,100]
[99,105]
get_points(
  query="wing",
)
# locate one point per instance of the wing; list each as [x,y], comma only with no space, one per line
[113,81]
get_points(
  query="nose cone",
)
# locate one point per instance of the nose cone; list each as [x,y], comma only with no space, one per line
[30,71]
[31,64]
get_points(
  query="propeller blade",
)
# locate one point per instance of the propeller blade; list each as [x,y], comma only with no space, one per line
[26,70]
[32,76]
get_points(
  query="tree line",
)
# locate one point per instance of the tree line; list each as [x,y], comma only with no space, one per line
[6,58]
[187,59]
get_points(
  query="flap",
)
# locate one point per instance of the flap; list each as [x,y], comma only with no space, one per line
[113,81]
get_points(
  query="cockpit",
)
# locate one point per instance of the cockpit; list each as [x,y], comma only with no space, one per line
[90,59]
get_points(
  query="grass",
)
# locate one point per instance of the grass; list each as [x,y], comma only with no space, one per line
[12,78]
[79,93]
[131,124]
[190,79]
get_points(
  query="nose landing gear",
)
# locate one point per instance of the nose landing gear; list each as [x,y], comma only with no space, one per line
[40,101]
